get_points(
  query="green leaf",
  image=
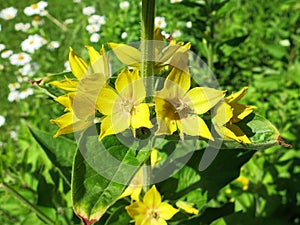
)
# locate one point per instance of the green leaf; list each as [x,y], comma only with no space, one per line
[211,214]
[119,216]
[59,150]
[222,170]
[101,171]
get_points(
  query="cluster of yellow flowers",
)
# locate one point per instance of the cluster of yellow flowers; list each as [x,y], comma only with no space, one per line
[122,105]
[120,102]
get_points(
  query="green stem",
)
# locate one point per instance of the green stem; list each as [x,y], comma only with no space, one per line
[32,207]
[147,48]
[147,68]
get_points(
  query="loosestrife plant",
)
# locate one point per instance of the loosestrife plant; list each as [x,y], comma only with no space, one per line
[143,125]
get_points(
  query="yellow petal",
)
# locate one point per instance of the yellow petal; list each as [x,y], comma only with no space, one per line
[222,114]
[140,116]
[232,131]
[236,96]
[130,86]
[68,123]
[187,207]
[114,124]
[93,54]
[165,126]
[67,84]
[99,61]
[154,157]
[193,125]
[66,100]
[166,211]
[240,111]
[168,53]
[78,65]
[177,82]
[152,198]
[106,100]
[83,107]
[91,84]
[202,99]
[126,54]
[137,209]
[180,59]
[135,187]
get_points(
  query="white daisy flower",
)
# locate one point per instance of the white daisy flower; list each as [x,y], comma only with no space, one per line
[95,37]
[2,120]
[165,34]
[13,86]
[13,135]
[32,43]
[89,10]
[29,69]
[20,59]
[37,21]
[53,45]
[93,28]
[8,13]
[96,19]
[124,35]
[2,47]
[124,5]
[189,24]
[76,1]
[6,53]
[22,27]
[21,79]
[13,96]
[160,22]
[67,66]
[176,34]
[25,93]
[36,9]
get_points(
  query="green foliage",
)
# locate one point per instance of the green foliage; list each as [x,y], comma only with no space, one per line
[244,43]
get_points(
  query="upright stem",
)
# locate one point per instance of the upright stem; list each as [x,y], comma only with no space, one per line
[147,68]
[147,45]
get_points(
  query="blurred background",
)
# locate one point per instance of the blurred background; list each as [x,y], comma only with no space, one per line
[244,43]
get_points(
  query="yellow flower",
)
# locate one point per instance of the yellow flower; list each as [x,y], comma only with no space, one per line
[135,187]
[244,181]
[162,55]
[80,68]
[83,91]
[151,211]
[177,107]
[70,122]
[124,107]
[228,113]
[187,207]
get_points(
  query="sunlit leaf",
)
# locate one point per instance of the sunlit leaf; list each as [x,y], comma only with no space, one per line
[101,171]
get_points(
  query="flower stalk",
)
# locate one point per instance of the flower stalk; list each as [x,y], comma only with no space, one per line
[147,67]
[147,48]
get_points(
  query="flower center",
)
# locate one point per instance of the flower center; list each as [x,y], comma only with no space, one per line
[181,108]
[20,57]
[127,106]
[34,6]
[154,214]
